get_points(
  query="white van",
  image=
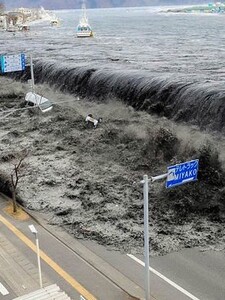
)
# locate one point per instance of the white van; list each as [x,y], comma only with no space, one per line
[37,100]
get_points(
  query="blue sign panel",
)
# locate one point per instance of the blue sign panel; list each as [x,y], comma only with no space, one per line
[182,173]
[12,63]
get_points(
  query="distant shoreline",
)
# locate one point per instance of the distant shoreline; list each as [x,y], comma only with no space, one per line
[218,8]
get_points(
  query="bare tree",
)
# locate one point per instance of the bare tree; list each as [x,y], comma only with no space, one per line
[17,173]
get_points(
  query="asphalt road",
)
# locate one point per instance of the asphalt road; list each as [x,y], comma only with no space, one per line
[160,288]
[6,292]
[86,268]
[202,273]
[59,263]
[189,271]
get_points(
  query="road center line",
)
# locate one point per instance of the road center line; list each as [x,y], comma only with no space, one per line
[176,286]
[76,285]
[3,290]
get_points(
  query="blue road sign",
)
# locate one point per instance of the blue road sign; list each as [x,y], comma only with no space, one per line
[12,63]
[182,173]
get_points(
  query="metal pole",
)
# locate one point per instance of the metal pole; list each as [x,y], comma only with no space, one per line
[32,73]
[39,262]
[146,238]
[162,176]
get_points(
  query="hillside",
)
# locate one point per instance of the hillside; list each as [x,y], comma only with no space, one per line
[71,4]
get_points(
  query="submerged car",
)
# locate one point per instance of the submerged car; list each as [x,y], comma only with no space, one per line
[34,99]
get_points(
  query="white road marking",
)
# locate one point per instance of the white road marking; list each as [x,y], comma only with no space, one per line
[165,278]
[3,290]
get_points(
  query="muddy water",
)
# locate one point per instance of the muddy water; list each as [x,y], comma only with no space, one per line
[85,180]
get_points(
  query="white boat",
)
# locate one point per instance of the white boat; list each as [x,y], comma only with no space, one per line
[55,22]
[83,28]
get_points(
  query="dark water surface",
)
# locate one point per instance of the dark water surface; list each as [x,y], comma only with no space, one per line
[169,64]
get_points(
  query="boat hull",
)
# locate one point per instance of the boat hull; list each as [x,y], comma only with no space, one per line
[84,34]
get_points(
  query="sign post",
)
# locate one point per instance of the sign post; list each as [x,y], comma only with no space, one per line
[182,173]
[176,175]
[12,63]
[146,238]
[32,73]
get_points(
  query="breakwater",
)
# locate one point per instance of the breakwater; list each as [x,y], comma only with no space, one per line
[201,104]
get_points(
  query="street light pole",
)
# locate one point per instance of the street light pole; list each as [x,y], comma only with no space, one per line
[34,231]
[39,261]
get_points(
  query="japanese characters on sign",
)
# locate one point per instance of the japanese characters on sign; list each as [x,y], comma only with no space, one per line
[182,173]
[12,63]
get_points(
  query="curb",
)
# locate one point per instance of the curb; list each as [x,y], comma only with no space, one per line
[115,276]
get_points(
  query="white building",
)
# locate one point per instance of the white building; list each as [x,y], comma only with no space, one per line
[3,22]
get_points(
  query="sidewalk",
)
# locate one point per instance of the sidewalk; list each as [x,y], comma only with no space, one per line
[22,276]
[16,270]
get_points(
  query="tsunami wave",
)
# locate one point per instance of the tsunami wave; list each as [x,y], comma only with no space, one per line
[201,104]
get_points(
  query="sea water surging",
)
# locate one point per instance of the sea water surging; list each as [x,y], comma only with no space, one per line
[167,64]
[171,67]
[192,102]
